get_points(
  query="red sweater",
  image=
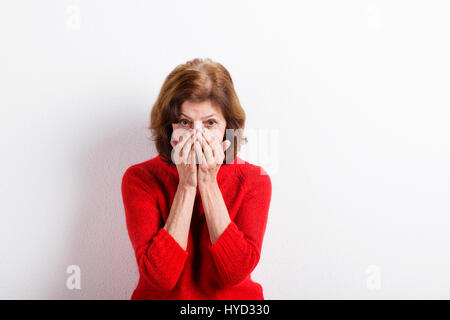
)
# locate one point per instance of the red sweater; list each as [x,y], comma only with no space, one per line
[219,271]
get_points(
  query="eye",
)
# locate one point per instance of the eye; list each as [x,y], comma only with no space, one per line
[184,122]
[211,122]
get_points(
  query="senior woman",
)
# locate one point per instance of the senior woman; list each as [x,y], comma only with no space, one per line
[196,213]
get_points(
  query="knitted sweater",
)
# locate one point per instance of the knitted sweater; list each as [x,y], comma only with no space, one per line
[220,271]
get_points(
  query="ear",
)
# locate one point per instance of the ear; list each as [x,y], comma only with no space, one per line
[226,144]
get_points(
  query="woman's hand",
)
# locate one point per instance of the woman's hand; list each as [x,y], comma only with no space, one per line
[210,153]
[184,158]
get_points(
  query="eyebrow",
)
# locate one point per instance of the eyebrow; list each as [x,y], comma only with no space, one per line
[202,118]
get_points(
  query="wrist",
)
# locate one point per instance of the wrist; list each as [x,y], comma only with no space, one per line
[187,187]
[207,185]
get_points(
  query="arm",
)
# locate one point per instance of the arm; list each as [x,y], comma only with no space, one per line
[216,212]
[236,245]
[180,215]
[160,252]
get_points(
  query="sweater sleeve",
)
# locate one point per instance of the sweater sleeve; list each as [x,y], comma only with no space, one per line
[159,256]
[237,250]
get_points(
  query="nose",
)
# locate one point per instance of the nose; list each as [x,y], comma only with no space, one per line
[198,125]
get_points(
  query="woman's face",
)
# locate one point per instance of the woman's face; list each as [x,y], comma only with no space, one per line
[197,115]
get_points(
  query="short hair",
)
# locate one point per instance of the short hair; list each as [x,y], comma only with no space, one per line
[197,80]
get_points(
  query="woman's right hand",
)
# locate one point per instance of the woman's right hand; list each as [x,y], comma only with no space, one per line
[183,156]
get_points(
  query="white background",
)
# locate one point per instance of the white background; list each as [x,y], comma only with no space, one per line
[357,93]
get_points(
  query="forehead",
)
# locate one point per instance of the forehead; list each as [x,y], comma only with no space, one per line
[199,109]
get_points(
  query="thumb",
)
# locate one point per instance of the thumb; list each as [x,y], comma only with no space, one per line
[226,144]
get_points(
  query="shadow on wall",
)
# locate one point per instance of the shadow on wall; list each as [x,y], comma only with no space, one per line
[99,244]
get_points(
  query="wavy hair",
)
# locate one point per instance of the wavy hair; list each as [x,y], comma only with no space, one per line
[197,80]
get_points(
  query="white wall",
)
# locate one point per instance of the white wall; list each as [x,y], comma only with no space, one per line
[355,91]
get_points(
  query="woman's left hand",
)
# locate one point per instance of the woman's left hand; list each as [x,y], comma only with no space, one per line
[210,153]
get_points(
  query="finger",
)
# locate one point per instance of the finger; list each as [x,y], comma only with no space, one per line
[186,149]
[176,157]
[203,163]
[198,151]
[226,144]
[218,151]
[210,138]
[213,143]
[180,146]
[202,157]
[184,138]
[192,157]
[177,134]
[208,152]
[207,135]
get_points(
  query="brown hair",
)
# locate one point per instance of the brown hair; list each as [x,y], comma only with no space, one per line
[197,80]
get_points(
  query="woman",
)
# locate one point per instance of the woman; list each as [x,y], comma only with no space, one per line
[196,213]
